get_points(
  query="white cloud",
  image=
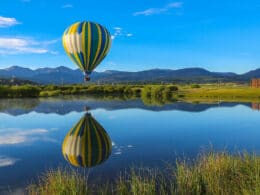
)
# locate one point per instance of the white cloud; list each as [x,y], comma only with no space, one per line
[54,52]
[19,136]
[6,161]
[7,22]
[14,45]
[67,6]
[175,5]
[111,63]
[118,31]
[153,11]
[49,42]
[12,42]
[118,28]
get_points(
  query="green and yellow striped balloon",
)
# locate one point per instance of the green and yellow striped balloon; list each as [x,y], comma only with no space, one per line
[87,144]
[87,44]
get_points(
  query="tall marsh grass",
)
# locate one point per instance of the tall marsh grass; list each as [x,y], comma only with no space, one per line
[211,173]
[60,182]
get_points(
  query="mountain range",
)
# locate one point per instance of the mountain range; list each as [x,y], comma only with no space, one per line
[66,75]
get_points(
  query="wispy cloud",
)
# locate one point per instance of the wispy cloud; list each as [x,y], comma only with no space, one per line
[7,22]
[14,45]
[67,6]
[7,161]
[118,31]
[153,11]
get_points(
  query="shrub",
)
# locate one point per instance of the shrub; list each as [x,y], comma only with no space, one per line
[128,90]
[172,88]
[4,90]
[193,86]
[136,92]
[93,89]
[50,87]
[23,91]
[50,93]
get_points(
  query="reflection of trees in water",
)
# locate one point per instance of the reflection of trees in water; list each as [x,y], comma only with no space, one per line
[25,104]
[67,104]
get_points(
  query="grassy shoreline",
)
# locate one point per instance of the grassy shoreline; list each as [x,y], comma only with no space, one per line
[211,173]
[150,94]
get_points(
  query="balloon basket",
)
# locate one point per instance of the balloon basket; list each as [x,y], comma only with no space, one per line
[87,78]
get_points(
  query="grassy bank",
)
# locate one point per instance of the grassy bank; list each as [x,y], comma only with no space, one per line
[150,94]
[212,173]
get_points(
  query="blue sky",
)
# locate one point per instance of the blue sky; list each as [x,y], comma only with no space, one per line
[221,35]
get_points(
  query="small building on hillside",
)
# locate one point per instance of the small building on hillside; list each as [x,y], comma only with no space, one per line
[255,83]
[256,106]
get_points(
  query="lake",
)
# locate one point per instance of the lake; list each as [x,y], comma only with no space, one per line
[32,132]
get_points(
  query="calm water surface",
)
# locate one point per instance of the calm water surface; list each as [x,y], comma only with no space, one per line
[32,132]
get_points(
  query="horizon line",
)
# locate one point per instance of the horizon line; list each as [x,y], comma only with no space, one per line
[195,67]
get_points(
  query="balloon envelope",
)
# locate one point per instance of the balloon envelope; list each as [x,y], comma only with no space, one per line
[87,144]
[87,44]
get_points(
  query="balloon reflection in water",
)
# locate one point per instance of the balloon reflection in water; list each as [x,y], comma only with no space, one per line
[87,144]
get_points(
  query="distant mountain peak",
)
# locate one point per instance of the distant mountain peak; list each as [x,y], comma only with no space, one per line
[63,68]
[15,67]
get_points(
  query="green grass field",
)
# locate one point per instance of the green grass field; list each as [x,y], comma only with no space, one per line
[228,92]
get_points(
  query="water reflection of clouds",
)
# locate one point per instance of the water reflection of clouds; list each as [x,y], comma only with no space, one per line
[7,161]
[12,136]
[118,150]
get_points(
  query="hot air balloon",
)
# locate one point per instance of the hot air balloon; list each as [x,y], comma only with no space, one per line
[87,144]
[87,44]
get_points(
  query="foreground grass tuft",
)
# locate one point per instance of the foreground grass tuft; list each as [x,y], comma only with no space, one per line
[212,173]
[219,174]
[60,182]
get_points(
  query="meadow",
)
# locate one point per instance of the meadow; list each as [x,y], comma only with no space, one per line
[228,92]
